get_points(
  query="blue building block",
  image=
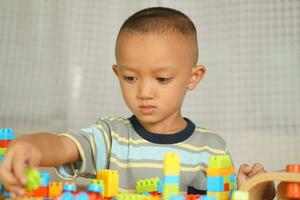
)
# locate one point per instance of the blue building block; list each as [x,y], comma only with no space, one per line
[232,178]
[171,179]
[204,197]
[69,187]
[1,158]
[215,180]
[95,188]
[7,134]
[45,179]
[82,196]
[160,186]
[177,197]
[66,196]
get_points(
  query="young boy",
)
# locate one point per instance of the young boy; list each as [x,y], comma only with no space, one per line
[156,64]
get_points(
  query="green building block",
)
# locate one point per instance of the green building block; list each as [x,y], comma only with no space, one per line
[147,185]
[33,178]
[123,196]
[219,161]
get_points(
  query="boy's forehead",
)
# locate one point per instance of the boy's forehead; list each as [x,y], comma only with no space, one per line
[127,39]
[153,68]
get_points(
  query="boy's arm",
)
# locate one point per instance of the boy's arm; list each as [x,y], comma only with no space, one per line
[41,149]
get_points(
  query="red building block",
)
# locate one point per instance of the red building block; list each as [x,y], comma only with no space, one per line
[192,196]
[4,143]
[226,187]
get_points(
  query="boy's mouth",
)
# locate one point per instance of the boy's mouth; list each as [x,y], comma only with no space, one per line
[147,109]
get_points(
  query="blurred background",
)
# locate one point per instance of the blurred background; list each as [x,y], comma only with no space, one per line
[56,76]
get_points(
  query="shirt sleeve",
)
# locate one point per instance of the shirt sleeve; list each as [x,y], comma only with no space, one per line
[93,144]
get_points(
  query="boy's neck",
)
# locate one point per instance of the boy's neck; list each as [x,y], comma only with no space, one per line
[170,125]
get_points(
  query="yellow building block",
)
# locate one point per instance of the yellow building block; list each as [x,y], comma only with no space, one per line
[55,189]
[219,195]
[240,195]
[171,164]
[111,182]
[219,171]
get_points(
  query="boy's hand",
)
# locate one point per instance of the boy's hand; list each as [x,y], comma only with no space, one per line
[246,172]
[19,155]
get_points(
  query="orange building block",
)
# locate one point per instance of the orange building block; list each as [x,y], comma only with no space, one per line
[40,192]
[55,189]
[219,171]
[293,189]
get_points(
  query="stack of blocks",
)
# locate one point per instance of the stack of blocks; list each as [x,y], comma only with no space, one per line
[171,175]
[220,177]
[6,136]
[37,183]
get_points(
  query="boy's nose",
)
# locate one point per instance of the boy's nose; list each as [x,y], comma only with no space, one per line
[145,91]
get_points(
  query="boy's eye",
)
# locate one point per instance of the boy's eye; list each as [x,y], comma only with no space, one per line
[129,78]
[163,79]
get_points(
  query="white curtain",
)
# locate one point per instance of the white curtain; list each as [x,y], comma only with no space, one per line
[56,58]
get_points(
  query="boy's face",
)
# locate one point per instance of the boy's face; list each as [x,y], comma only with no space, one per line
[155,72]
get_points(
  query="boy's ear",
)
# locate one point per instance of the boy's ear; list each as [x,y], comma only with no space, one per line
[115,69]
[196,76]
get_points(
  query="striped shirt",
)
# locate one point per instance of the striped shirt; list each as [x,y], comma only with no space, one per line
[123,144]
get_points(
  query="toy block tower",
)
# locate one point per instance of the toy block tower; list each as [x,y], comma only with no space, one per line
[6,136]
[220,177]
[171,181]
[111,182]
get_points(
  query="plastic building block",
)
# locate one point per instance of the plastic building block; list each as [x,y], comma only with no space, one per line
[204,197]
[69,187]
[33,178]
[66,196]
[111,182]
[171,164]
[177,197]
[171,180]
[293,189]
[45,179]
[2,151]
[219,195]
[95,188]
[1,158]
[7,134]
[131,197]
[219,171]
[170,190]
[240,195]
[160,186]
[147,185]
[4,143]
[55,189]
[82,196]
[192,196]
[219,161]
[40,192]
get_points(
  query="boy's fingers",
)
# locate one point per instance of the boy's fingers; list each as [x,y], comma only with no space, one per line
[6,174]
[245,169]
[19,167]
[256,169]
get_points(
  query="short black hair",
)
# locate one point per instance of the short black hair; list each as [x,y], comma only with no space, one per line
[161,20]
